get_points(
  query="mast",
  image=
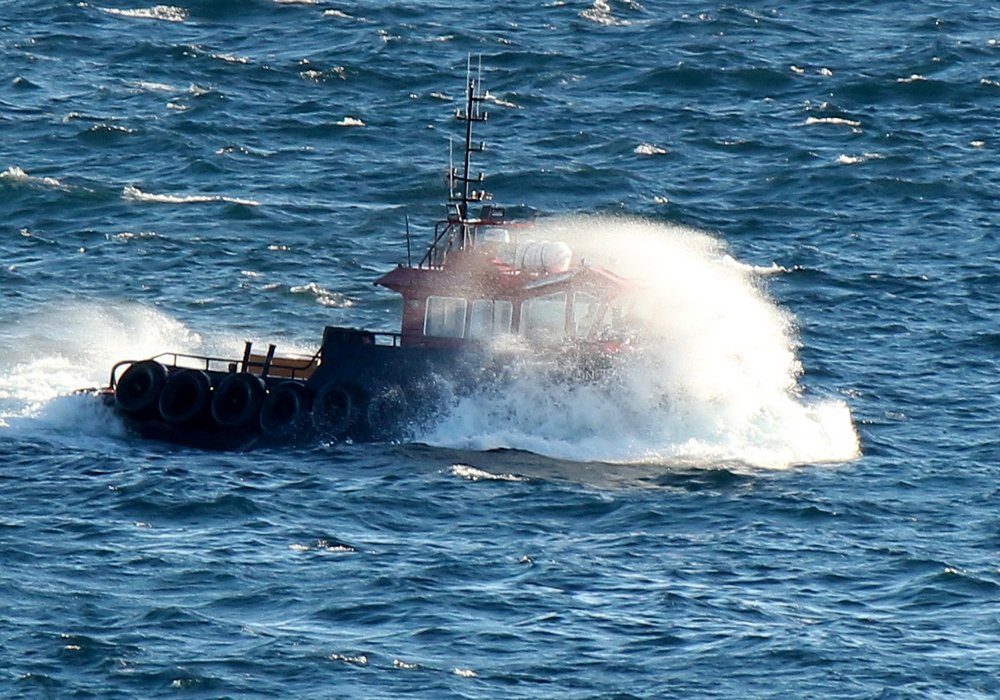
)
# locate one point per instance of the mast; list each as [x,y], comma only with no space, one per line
[464,194]
[460,226]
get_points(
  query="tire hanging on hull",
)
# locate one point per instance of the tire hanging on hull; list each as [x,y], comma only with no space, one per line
[237,400]
[138,391]
[335,412]
[385,412]
[186,396]
[284,415]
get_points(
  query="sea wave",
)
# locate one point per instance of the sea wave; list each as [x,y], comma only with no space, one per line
[163,13]
[16,174]
[835,121]
[475,474]
[131,192]
[323,296]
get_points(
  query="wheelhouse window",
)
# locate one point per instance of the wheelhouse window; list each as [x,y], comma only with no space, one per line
[586,309]
[490,318]
[616,320]
[544,318]
[445,317]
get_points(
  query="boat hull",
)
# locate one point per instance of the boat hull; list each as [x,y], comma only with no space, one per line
[360,391]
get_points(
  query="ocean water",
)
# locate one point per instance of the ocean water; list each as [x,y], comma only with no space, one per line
[794,494]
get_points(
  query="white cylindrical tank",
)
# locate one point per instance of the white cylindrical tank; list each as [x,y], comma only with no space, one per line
[552,257]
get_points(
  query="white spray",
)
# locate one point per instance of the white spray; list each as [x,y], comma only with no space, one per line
[715,379]
[51,352]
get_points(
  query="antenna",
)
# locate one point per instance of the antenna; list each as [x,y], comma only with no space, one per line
[409,261]
[459,226]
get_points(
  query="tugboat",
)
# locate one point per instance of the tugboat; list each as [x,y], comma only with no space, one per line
[482,298]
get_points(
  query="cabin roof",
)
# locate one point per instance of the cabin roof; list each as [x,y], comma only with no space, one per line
[479,276]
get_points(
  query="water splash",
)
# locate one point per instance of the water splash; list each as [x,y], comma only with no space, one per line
[715,377]
[51,353]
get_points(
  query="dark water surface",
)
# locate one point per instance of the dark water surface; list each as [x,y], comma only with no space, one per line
[813,513]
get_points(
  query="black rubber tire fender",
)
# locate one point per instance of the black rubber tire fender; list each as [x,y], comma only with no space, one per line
[236,401]
[139,388]
[285,411]
[386,412]
[335,412]
[186,395]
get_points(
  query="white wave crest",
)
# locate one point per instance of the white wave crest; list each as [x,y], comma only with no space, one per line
[834,121]
[149,85]
[350,121]
[464,471]
[323,296]
[16,174]
[163,13]
[846,159]
[601,12]
[649,149]
[231,58]
[133,193]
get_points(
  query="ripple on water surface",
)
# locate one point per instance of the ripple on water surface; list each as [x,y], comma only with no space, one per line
[820,184]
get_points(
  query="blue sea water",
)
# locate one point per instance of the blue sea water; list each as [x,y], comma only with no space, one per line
[814,512]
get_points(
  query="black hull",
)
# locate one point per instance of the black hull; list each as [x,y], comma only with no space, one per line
[360,392]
